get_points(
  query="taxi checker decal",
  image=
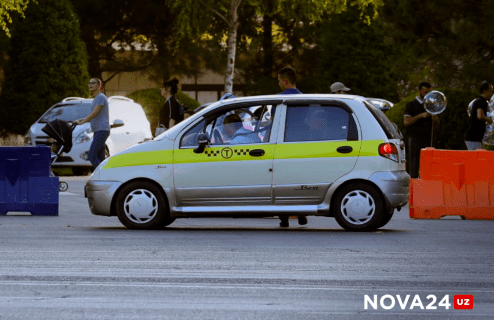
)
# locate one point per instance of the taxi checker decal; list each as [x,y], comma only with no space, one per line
[227,153]
[213,153]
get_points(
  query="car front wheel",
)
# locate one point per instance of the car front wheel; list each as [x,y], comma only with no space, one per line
[141,205]
[358,207]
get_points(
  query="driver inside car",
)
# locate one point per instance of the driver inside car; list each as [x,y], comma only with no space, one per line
[234,130]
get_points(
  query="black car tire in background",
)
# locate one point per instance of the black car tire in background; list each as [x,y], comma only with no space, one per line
[81,171]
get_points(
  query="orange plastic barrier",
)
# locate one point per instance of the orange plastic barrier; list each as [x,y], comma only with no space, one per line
[453,183]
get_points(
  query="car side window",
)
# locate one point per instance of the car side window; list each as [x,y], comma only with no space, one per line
[189,139]
[318,123]
[245,125]
[235,127]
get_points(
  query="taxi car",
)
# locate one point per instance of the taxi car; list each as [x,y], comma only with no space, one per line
[286,155]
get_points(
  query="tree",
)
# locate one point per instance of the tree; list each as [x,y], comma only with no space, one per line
[191,12]
[9,6]
[138,35]
[357,54]
[452,38]
[111,28]
[48,62]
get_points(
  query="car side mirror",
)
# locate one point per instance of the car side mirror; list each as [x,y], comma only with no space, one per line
[117,123]
[202,141]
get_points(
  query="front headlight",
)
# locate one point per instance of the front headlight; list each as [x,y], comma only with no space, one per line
[84,136]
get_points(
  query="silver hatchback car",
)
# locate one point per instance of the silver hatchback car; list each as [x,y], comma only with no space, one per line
[292,155]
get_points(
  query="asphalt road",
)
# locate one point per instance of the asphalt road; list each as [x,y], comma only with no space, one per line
[80,266]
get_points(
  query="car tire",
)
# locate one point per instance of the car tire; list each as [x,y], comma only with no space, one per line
[358,207]
[142,206]
[81,171]
[386,218]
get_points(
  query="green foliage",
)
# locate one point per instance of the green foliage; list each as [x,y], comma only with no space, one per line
[187,100]
[454,120]
[152,101]
[9,6]
[355,53]
[48,62]
[450,37]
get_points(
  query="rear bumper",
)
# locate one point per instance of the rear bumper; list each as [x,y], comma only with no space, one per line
[394,186]
[99,195]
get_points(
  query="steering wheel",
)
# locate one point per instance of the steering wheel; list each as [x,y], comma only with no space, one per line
[217,137]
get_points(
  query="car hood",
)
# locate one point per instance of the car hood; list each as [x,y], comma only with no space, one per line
[35,129]
[149,145]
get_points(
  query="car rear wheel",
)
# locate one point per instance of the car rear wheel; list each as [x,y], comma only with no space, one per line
[358,207]
[141,205]
[386,218]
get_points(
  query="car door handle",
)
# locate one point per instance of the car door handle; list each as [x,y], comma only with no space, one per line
[257,153]
[345,149]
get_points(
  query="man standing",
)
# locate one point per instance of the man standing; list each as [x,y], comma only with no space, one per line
[419,126]
[478,119]
[339,88]
[100,123]
[287,78]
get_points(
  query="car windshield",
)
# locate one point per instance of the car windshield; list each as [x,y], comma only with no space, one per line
[67,112]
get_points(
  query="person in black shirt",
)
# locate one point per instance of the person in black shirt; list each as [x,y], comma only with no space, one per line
[478,118]
[418,123]
[170,111]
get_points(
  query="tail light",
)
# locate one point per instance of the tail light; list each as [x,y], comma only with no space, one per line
[388,150]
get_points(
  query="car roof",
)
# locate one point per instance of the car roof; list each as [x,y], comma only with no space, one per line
[280,98]
[79,100]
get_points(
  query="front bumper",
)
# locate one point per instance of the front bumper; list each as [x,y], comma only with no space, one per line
[99,195]
[394,186]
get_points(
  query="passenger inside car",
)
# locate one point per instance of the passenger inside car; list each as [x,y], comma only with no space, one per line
[265,122]
[318,125]
[234,129]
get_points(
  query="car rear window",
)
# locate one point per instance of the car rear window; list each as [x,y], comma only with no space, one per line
[67,112]
[383,121]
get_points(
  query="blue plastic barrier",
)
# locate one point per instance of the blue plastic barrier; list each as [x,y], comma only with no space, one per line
[25,184]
